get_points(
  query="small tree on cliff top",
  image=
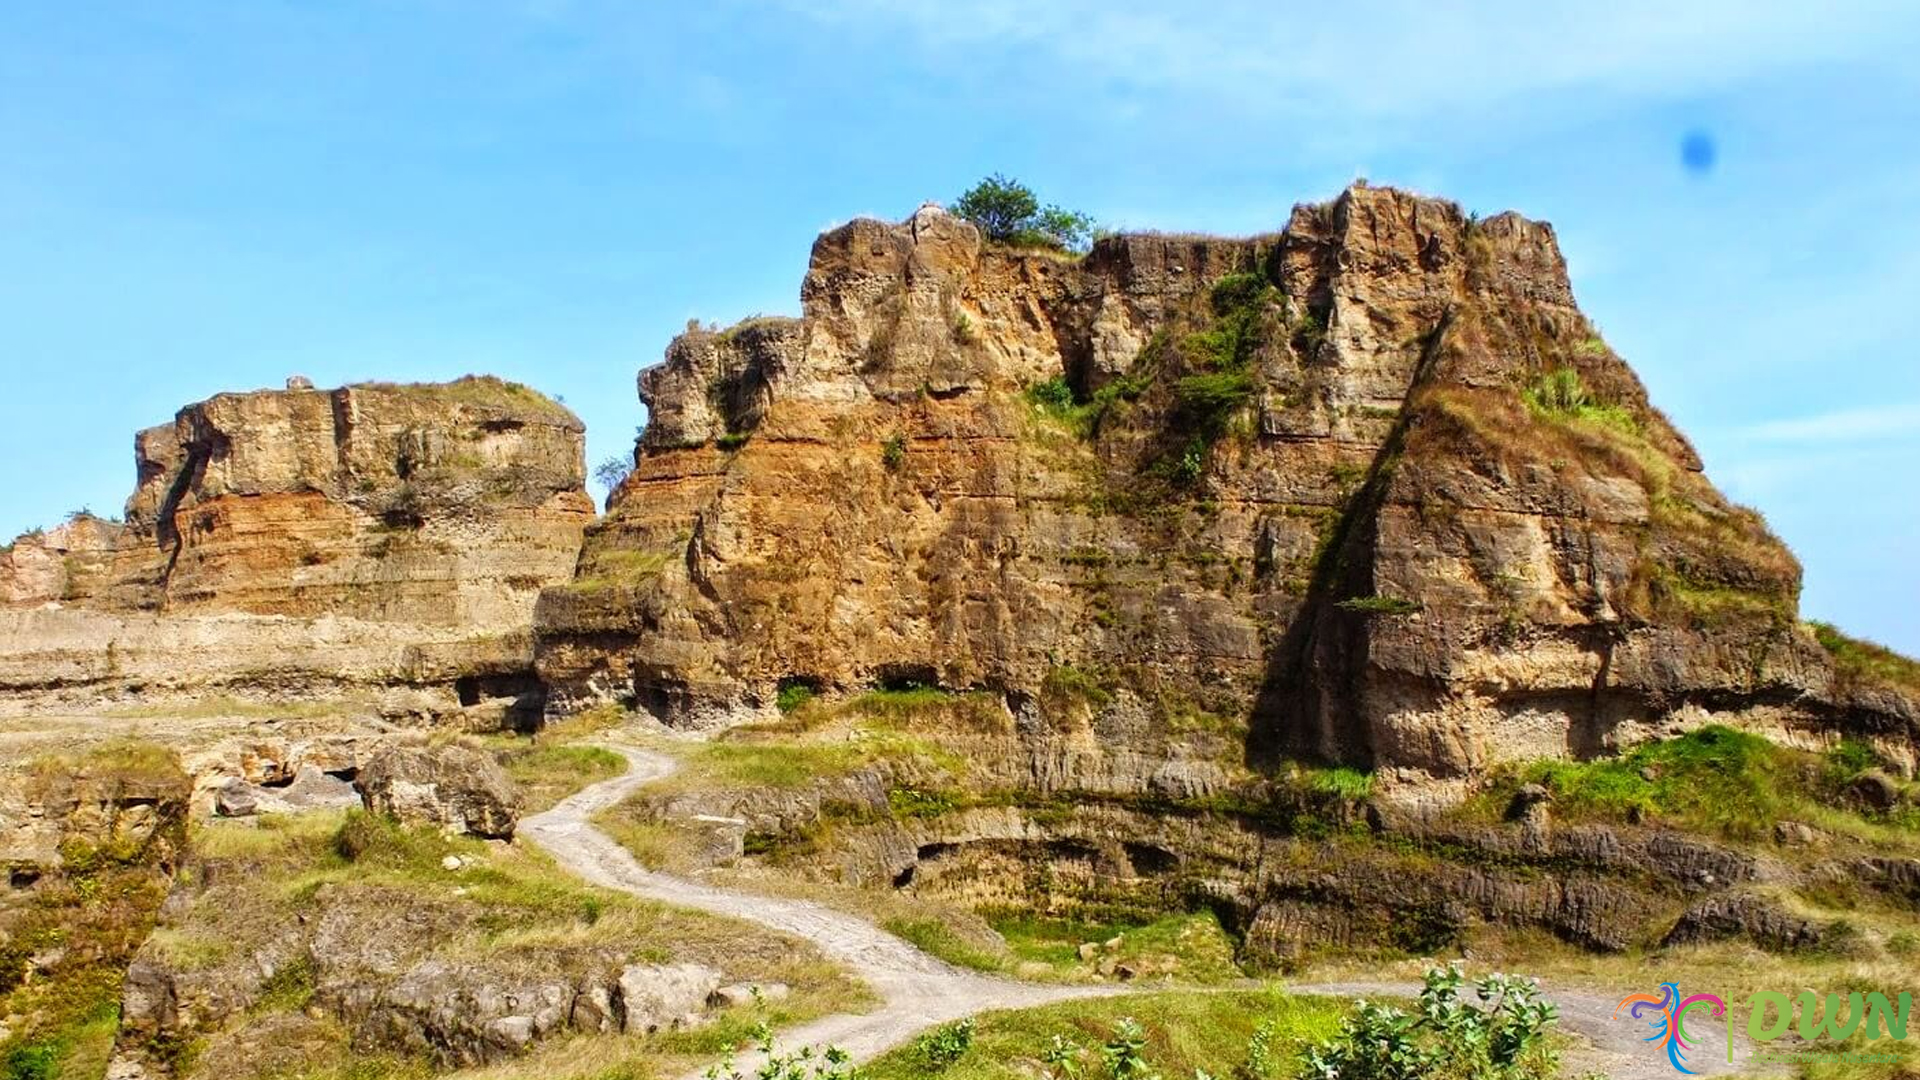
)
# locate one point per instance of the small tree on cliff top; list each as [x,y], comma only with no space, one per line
[612,472]
[1008,211]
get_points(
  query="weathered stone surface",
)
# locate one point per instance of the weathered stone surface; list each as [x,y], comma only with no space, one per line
[58,563]
[310,789]
[1386,556]
[1745,915]
[283,540]
[453,787]
[652,997]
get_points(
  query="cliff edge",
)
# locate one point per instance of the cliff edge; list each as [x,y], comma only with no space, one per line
[1370,489]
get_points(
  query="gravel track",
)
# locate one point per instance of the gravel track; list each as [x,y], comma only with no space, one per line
[918,991]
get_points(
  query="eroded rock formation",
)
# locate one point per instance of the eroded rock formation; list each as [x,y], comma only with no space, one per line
[374,535]
[1370,489]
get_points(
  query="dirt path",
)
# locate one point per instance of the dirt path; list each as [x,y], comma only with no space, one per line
[918,991]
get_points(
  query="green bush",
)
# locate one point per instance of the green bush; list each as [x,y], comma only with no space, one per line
[1237,292]
[893,452]
[1210,398]
[1504,1037]
[34,1061]
[945,1045]
[792,696]
[1560,394]
[1053,394]
[1008,211]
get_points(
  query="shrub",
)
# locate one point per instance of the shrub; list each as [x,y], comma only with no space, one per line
[1380,605]
[732,440]
[1503,1038]
[832,1063]
[893,452]
[1209,398]
[1054,394]
[613,471]
[945,1045]
[34,1061]
[1008,211]
[1560,394]
[792,696]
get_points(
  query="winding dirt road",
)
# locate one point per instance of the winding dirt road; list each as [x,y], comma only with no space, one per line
[918,991]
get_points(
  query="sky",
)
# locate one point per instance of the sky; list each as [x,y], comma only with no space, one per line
[201,196]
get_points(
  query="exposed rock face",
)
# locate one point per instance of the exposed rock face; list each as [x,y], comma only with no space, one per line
[461,790]
[88,845]
[1370,489]
[399,532]
[58,563]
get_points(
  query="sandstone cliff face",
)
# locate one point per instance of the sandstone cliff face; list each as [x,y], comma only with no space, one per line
[1370,489]
[376,533]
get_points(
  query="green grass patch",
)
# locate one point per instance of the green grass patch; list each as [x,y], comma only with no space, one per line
[1379,605]
[1868,662]
[1714,780]
[1561,395]
[618,567]
[1064,683]
[548,773]
[936,938]
[1187,947]
[1180,1032]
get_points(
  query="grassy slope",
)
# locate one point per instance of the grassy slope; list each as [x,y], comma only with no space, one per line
[1185,1031]
[518,909]
[1718,781]
[86,920]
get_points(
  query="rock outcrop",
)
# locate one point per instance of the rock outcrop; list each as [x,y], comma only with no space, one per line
[375,535]
[457,789]
[1370,489]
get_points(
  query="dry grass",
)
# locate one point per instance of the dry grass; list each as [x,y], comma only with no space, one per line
[548,773]
[228,707]
[483,391]
[1865,662]
[508,905]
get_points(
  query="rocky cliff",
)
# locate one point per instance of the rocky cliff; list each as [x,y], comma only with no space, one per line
[377,533]
[1370,489]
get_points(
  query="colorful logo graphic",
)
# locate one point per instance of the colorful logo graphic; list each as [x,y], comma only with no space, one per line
[1666,1014]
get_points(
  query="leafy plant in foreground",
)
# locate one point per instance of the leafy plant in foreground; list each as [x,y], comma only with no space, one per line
[1503,1037]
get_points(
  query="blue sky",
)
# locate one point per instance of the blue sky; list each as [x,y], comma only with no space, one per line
[200,196]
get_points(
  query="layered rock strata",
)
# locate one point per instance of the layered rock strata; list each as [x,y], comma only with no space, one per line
[1370,489]
[376,535]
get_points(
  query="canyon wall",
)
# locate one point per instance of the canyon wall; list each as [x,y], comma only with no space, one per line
[1370,489]
[376,535]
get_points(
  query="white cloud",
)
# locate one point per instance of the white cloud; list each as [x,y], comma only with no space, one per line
[1878,423]
[1395,57]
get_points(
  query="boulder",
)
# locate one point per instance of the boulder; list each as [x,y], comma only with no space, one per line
[1750,916]
[1873,790]
[456,788]
[741,995]
[650,997]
